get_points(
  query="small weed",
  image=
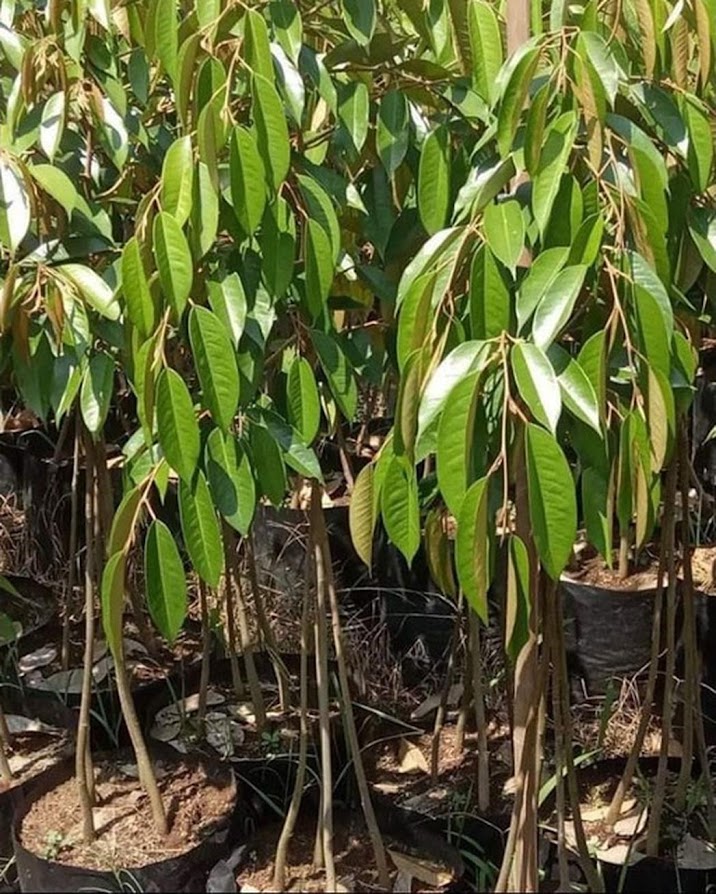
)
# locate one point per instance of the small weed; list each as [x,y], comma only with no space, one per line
[54,842]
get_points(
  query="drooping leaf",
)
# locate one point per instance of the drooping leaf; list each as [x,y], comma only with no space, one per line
[113,578]
[361,514]
[399,506]
[360,19]
[537,383]
[135,288]
[228,301]
[215,365]
[552,502]
[178,180]
[174,262]
[96,392]
[490,304]
[578,394]
[338,372]
[486,46]
[392,134]
[256,44]
[231,480]
[248,190]
[505,232]
[200,528]
[557,304]
[517,607]
[472,546]
[268,463]
[52,124]
[176,424]
[125,518]
[552,163]
[271,131]
[456,433]
[540,277]
[319,267]
[304,410]
[165,581]
[434,180]
[522,70]
[92,289]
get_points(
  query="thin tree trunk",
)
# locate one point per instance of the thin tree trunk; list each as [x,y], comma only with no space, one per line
[279,878]
[553,649]
[236,680]
[444,695]
[205,653]
[350,732]
[282,679]
[467,695]
[232,576]
[81,768]
[483,753]
[667,527]
[623,570]
[71,571]
[321,636]
[5,771]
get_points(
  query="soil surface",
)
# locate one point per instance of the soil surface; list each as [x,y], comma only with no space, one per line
[354,860]
[591,570]
[31,753]
[197,801]
[703,569]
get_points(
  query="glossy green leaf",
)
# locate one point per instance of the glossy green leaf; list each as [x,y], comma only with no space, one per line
[166,33]
[338,371]
[296,453]
[534,286]
[96,392]
[537,383]
[165,581]
[278,246]
[269,464]
[361,514]
[578,394]
[434,180]
[52,124]
[486,45]
[304,410]
[215,365]
[514,95]
[140,306]
[456,434]
[399,506]
[256,44]
[392,132]
[552,502]
[557,304]
[57,184]
[319,267]
[205,212]
[176,423]
[228,301]
[416,317]
[113,586]
[552,164]
[517,601]
[597,511]
[178,180]
[288,27]
[505,232]
[127,516]
[354,111]
[271,131]
[472,546]
[248,190]
[200,528]
[360,19]
[490,300]
[427,259]
[536,123]
[92,289]
[174,262]
[231,480]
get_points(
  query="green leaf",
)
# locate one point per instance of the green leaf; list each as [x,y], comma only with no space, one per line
[361,514]
[399,505]
[597,511]
[534,130]
[557,305]
[354,111]
[178,180]
[278,247]
[537,383]
[52,124]
[166,34]
[201,531]
[228,301]
[96,392]
[271,131]
[269,464]
[587,241]
[486,46]
[319,267]
[125,518]
[135,288]
[552,502]
[231,480]
[505,232]
[393,130]
[702,226]
[286,18]
[113,603]
[177,425]
[304,410]
[514,95]
[490,303]
[248,190]
[338,371]
[298,456]
[517,609]
[320,208]
[57,184]
[472,546]
[215,365]
[427,259]
[456,435]
[552,164]
[174,262]
[205,212]
[434,180]
[165,581]
[256,44]
[578,394]
[360,19]
[534,286]
[92,289]
[701,150]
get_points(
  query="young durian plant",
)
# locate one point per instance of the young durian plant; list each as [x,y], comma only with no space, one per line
[544,334]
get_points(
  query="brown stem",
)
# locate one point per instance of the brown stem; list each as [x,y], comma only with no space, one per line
[69,596]
[467,696]
[279,878]
[667,526]
[205,653]
[691,673]
[345,459]
[146,636]
[444,695]
[233,576]
[81,770]
[269,639]
[236,680]
[5,771]
[558,748]
[321,636]
[624,555]
[483,753]
[350,731]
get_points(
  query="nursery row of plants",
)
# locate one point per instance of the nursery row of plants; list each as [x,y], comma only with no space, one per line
[328,321]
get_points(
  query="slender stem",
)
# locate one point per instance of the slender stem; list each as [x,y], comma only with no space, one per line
[279,878]
[81,770]
[483,753]
[266,632]
[444,695]
[667,527]
[233,576]
[558,748]
[205,653]
[467,696]
[236,680]
[347,703]
[71,572]
[321,636]
[624,555]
